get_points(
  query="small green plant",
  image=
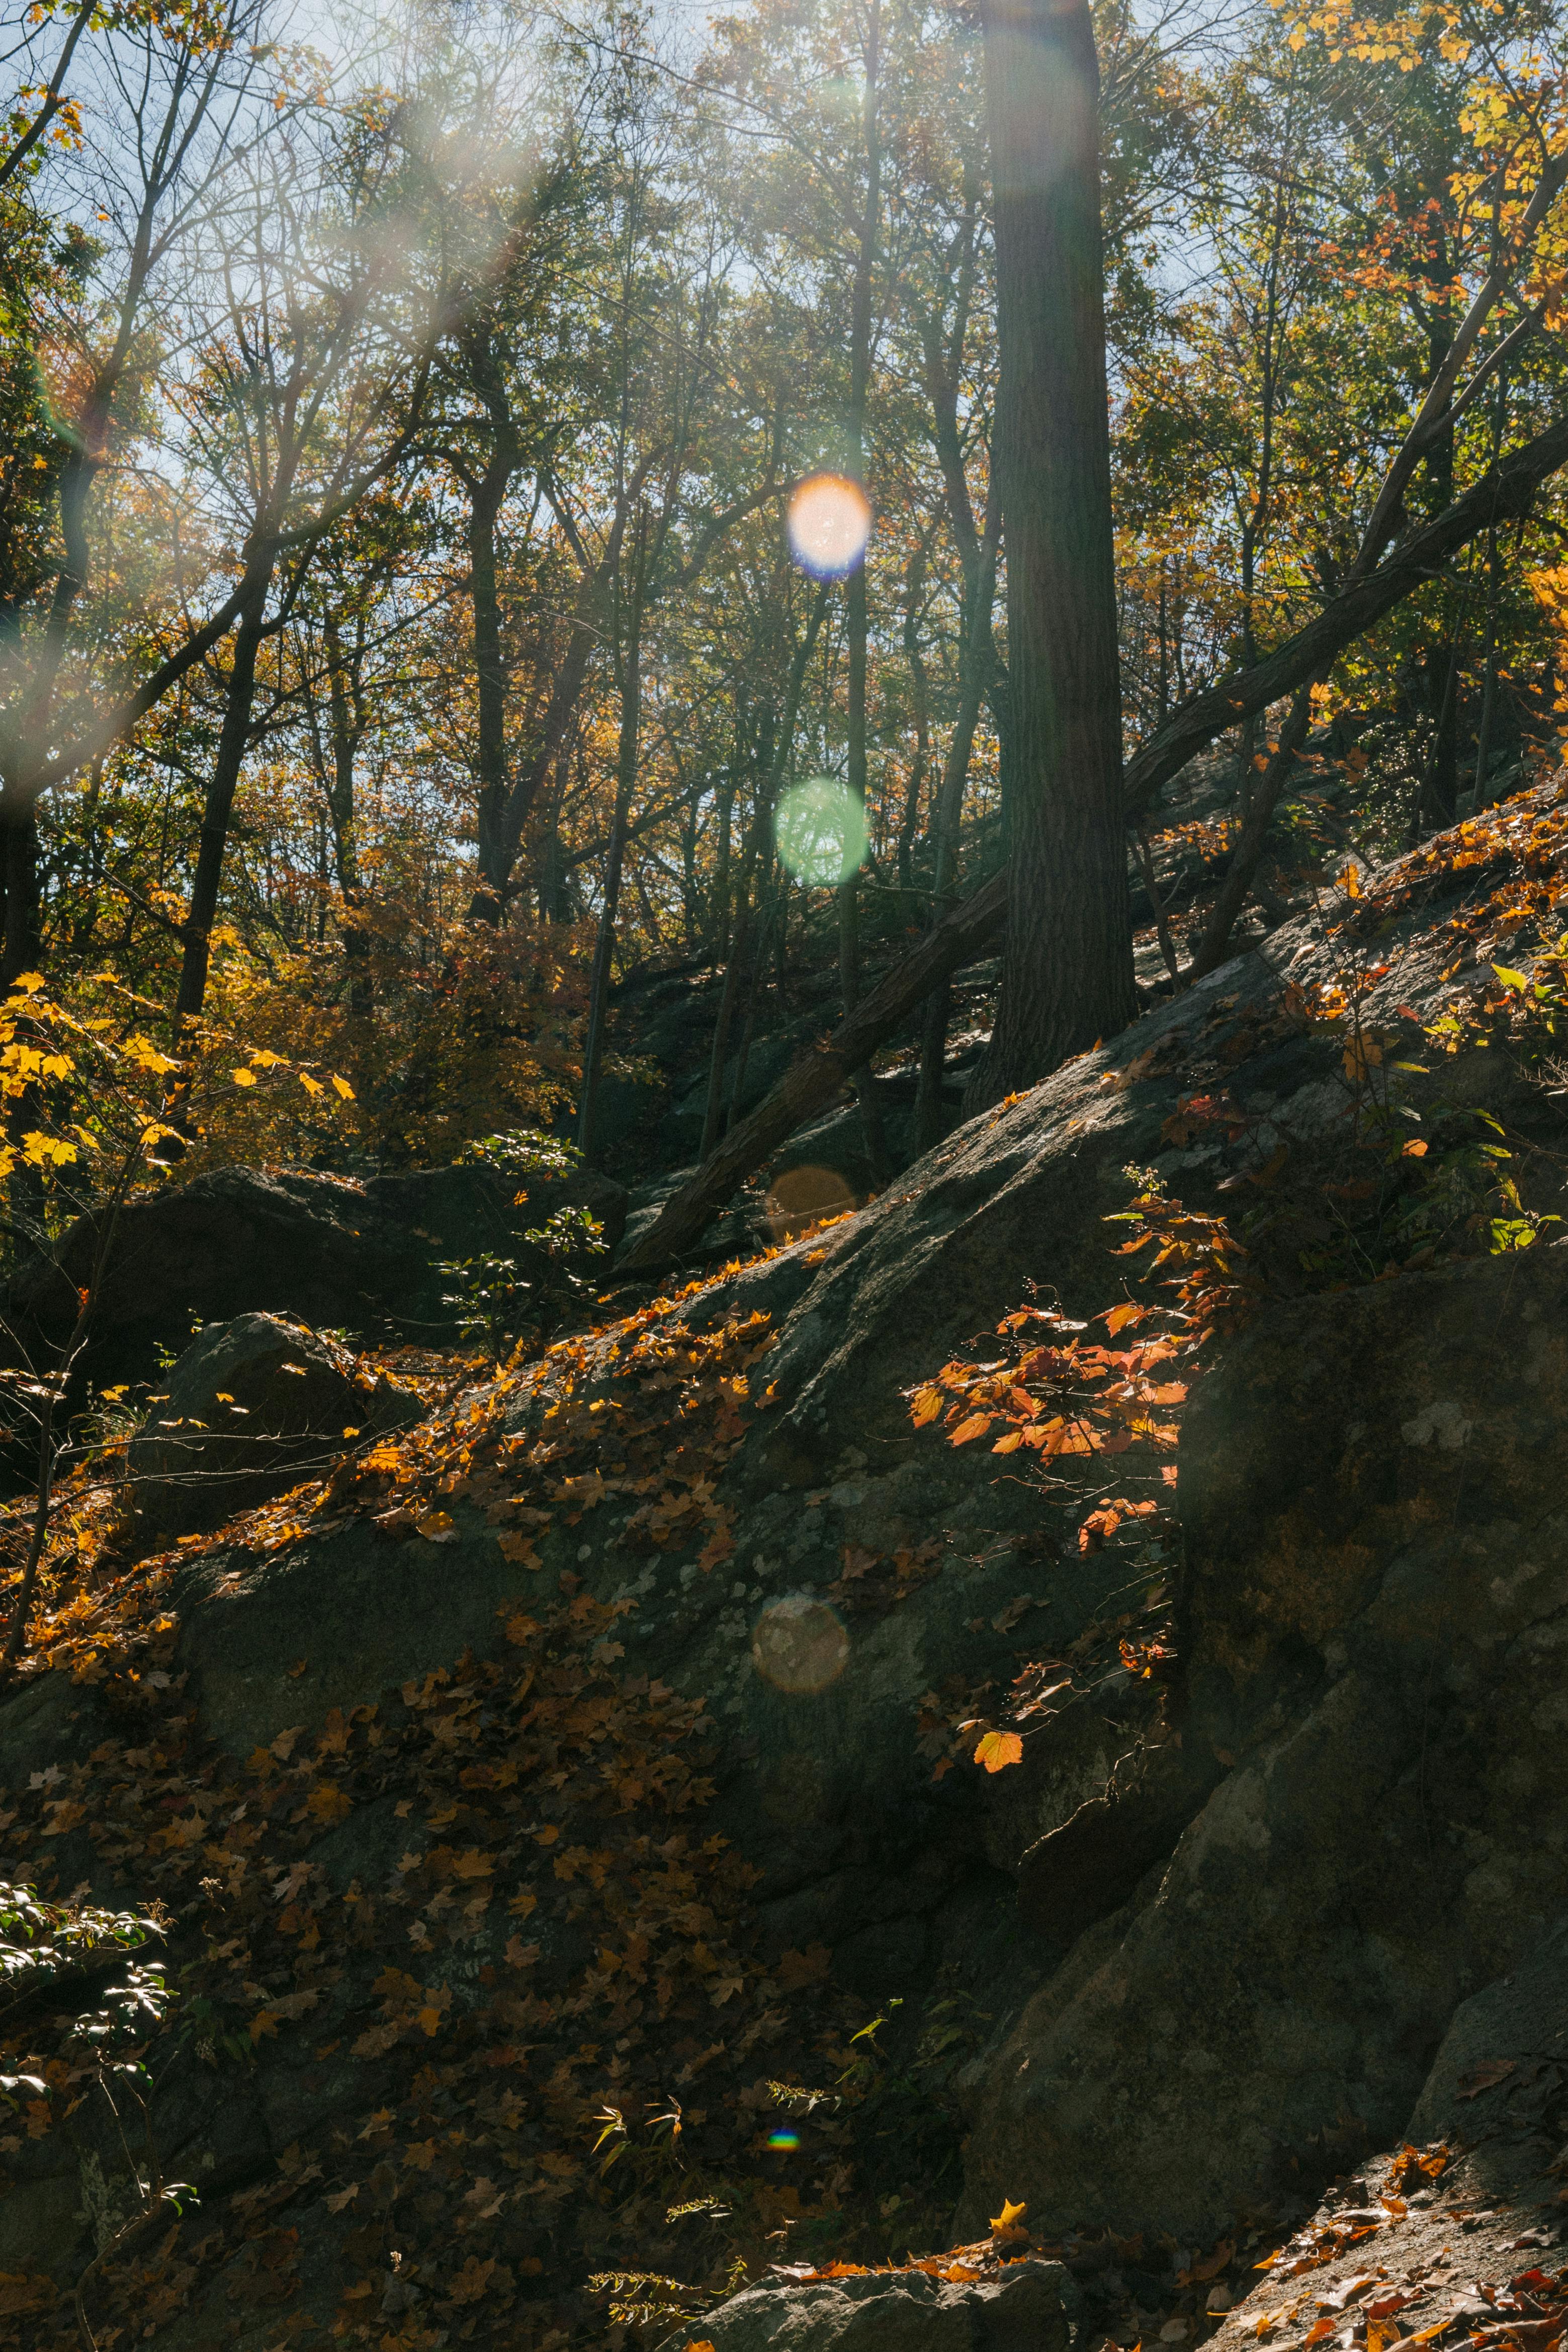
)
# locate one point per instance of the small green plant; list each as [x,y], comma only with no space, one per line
[46,1948]
[496,1303]
[486,1292]
[525,1151]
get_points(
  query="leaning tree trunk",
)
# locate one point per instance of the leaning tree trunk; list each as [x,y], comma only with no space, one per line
[1067,968]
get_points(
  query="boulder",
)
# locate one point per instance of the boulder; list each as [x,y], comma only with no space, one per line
[1464,2233]
[1023,2308]
[253,1407]
[1502,2064]
[356,1255]
[1376,1611]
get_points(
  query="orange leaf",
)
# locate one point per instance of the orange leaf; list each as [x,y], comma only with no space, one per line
[999,1748]
[975,1426]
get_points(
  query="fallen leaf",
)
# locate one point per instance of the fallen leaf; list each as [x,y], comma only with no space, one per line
[1006,2226]
[1483,2077]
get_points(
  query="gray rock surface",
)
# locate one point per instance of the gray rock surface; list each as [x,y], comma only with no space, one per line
[1377,1610]
[1503,2062]
[253,1407]
[1023,2309]
[1370,1825]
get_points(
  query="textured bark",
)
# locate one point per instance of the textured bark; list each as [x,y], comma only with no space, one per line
[816,1080]
[1067,973]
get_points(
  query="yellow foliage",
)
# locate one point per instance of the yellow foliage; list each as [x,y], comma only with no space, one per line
[416,1038]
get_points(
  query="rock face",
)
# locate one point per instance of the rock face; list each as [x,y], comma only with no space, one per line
[1025,2309]
[1459,2241]
[1503,2062]
[1377,1611]
[253,1407]
[358,1256]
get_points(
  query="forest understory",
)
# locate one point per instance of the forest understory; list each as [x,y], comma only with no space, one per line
[783,1326]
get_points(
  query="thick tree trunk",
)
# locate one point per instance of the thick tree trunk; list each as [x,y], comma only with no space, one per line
[218,807]
[1068,972]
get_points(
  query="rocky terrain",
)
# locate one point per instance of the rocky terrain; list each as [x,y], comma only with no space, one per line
[563,1807]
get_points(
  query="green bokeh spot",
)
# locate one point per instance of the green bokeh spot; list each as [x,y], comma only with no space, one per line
[821,832]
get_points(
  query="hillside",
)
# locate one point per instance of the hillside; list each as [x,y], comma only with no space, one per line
[558,1816]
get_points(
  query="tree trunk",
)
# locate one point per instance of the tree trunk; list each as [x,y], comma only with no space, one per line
[626,780]
[489,676]
[975,664]
[346,715]
[1067,969]
[1249,854]
[756,834]
[855,615]
[218,806]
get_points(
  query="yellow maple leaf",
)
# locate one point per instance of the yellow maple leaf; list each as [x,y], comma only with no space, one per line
[996,1750]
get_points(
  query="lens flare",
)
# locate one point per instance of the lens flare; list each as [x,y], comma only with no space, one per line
[820,829]
[799,1646]
[783,2140]
[830,523]
[803,1196]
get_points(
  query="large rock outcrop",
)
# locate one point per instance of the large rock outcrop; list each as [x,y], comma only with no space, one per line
[339,1254]
[1376,1606]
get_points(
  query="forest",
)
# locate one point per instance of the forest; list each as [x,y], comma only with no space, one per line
[744,758]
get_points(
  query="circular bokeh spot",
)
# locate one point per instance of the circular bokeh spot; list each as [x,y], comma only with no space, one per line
[820,828]
[830,523]
[799,1645]
[803,1197]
